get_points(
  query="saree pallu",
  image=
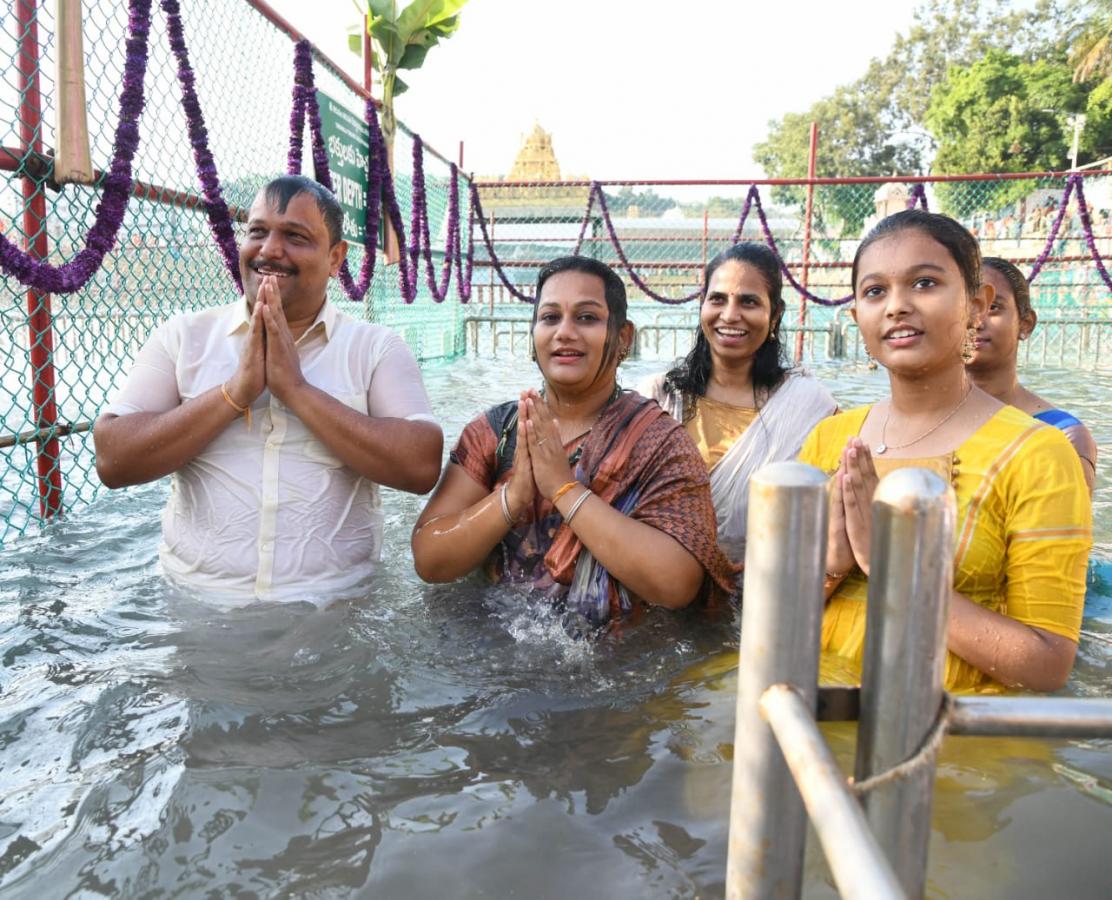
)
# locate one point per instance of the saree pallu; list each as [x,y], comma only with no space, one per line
[637,459]
[797,405]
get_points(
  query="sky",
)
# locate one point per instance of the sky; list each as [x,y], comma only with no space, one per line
[637,90]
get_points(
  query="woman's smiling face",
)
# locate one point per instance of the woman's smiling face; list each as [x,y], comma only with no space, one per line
[570,333]
[736,313]
[911,302]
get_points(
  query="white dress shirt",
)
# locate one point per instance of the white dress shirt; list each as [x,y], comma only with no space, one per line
[270,512]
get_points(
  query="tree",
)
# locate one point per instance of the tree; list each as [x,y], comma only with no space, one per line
[1004,114]
[401,41]
[876,125]
[849,122]
[1091,53]
[648,202]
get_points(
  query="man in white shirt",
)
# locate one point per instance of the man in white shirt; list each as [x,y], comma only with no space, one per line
[278,417]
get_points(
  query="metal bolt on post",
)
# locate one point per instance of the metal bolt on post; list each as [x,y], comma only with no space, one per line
[910,580]
[781,628]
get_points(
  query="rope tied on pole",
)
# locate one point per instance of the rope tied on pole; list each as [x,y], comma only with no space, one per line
[924,755]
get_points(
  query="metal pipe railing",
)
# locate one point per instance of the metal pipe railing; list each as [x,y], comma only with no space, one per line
[910,581]
[856,861]
[902,710]
[1032,717]
[784,560]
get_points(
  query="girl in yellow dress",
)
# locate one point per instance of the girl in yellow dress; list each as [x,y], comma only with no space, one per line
[1024,523]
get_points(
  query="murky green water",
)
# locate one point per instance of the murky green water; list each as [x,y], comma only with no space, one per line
[443,741]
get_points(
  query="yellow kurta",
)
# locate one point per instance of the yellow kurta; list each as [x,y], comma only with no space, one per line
[715,426]
[1023,531]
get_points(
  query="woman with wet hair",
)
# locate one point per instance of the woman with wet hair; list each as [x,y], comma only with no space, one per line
[992,366]
[1023,527]
[588,493]
[733,393]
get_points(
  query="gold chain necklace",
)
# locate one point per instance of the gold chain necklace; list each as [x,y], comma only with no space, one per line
[884,446]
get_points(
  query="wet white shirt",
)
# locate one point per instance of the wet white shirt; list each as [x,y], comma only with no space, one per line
[271,513]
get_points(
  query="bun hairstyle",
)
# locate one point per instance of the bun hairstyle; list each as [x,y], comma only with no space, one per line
[692,374]
[951,234]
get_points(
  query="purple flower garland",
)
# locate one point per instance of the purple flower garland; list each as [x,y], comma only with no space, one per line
[116,185]
[477,215]
[382,189]
[596,191]
[1073,183]
[917,196]
[1087,227]
[220,220]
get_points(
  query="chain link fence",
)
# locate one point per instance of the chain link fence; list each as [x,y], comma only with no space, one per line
[64,354]
[664,233]
[165,260]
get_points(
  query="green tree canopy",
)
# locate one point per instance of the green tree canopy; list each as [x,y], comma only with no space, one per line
[1091,53]
[1006,114]
[877,124]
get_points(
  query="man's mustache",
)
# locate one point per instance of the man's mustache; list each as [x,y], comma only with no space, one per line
[255,266]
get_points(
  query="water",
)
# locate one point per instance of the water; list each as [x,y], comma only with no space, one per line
[426,741]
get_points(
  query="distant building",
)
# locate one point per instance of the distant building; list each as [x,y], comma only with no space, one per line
[535,161]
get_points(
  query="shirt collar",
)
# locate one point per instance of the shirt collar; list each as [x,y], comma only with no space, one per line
[238,318]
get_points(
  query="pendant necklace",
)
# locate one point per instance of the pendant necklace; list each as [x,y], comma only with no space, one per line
[884,446]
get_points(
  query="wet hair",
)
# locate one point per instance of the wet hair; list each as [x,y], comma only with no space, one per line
[1021,290]
[955,237]
[614,293]
[283,189]
[692,374]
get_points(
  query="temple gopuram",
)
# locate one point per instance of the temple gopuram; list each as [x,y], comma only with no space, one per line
[535,162]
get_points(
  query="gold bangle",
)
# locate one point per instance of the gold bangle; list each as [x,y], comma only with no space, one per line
[837,576]
[563,489]
[245,411]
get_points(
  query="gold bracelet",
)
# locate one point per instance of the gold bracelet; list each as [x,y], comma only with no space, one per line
[837,576]
[563,489]
[245,411]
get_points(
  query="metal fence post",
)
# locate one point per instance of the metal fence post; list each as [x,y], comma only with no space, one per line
[780,633]
[48,454]
[910,579]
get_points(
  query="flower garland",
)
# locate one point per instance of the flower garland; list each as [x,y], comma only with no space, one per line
[1087,227]
[917,196]
[477,215]
[382,191]
[116,184]
[597,191]
[1073,183]
[220,219]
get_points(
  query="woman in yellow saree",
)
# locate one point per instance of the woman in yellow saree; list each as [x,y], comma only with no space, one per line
[1024,522]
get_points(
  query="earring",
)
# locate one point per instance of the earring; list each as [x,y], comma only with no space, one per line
[968,348]
[870,363]
[622,354]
